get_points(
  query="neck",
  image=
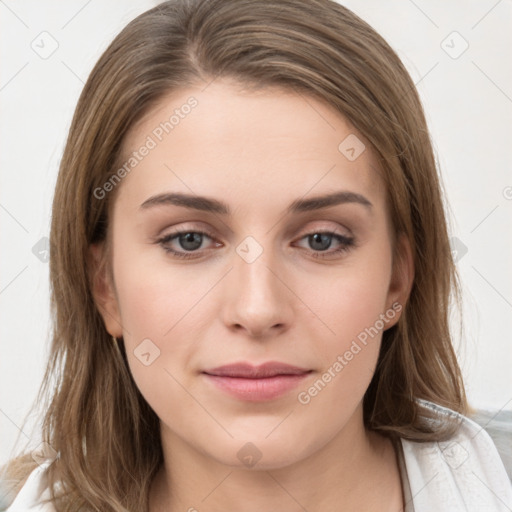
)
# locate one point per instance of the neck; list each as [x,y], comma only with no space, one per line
[356,470]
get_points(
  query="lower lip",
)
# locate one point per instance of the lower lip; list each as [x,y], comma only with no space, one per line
[257,390]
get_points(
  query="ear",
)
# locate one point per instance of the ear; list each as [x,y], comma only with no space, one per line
[103,289]
[402,278]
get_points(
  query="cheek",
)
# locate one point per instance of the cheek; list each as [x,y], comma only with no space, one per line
[159,318]
[166,311]
[348,353]
[156,297]
[351,298]
[351,305]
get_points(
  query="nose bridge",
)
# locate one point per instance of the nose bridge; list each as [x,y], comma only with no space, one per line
[260,301]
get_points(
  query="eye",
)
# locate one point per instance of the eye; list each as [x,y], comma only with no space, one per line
[320,241]
[187,239]
[190,241]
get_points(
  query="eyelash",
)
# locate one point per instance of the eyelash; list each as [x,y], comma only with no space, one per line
[347,243]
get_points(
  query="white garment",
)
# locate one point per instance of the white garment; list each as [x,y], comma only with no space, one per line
[464,474]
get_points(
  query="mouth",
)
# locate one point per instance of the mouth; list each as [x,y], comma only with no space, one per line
[256,383]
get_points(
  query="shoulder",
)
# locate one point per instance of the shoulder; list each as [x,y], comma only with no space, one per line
[463,473]
[32,495]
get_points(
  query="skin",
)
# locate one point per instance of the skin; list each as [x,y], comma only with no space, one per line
[258,152]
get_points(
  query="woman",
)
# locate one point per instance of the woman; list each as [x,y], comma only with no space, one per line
[251,276]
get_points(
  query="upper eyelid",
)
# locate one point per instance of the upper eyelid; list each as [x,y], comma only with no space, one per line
[305,231]
[180,231]
[327,231]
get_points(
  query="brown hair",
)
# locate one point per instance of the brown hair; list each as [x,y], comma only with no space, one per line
[106,434]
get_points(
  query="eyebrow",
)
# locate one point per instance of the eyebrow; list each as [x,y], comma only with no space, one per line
[211,205]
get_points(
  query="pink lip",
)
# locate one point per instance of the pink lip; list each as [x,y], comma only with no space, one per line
[256,383]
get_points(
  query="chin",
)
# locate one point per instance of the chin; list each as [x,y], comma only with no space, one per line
[261,451]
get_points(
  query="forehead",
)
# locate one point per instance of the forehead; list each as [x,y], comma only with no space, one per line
[253,148]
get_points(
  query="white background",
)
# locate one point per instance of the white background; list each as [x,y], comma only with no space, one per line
[468,101]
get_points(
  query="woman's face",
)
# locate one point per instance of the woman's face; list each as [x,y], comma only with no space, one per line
[251,181]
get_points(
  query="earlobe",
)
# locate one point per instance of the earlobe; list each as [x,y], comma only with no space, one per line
[402,277]
[102,289]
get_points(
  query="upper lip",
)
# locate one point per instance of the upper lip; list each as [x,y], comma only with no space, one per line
[249,371]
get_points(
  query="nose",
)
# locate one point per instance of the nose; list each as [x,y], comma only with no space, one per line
[259,298]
